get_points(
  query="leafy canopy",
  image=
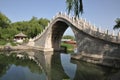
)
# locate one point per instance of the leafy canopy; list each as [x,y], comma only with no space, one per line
[117,26]
[31,28]
[76,6]
[4,21]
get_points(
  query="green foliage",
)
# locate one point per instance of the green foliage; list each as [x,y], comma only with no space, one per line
[43,22]
[31,28]
[2,42]
[4,21]
[68,37]
[70,47]
[76,6]
[7,61]
[117,26]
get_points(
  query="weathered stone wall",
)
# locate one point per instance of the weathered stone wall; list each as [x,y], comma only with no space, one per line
[44,41]
[93,45]
[92,49]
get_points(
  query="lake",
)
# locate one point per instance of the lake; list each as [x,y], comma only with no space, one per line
[38,65]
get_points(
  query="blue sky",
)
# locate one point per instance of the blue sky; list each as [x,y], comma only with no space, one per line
[99,12]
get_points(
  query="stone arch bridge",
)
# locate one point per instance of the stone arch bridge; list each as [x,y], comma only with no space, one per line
[91,41]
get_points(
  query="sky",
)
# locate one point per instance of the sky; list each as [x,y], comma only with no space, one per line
[101,13]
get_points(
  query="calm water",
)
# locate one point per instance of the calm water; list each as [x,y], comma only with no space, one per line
[50,66]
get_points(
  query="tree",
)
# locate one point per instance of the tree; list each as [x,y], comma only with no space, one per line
[117,26]
[43,22]
[4,21]
[68,37]
[32,27]
[76,6]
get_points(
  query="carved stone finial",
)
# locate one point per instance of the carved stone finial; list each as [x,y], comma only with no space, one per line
[113,33]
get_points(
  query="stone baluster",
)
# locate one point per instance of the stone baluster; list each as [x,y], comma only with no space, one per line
[79,25]
[85,20]
[97,29]
[53,17]
[78,22]
[97,33]
[94,27]
[113,33]
[89,29]
[100,29]
[77,18]
[69,16]
[65,14]
[88,23]
[113,36]
[48,24]
[84,25]
[93,30]
[46,27]
[107,32]
[61,12]
[80,19]
[118,37]
[72,19]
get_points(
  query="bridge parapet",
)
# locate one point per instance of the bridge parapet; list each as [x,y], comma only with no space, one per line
[90,29]
[84,26]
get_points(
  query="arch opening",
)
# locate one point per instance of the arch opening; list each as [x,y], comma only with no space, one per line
[58,30]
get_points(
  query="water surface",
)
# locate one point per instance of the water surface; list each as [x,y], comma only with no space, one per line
[51,66]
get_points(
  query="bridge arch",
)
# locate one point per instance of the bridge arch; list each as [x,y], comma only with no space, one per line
[87,36]
[60,25]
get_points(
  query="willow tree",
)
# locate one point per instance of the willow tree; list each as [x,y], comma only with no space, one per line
[75,6]
[117,26]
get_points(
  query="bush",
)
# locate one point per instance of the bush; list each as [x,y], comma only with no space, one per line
[70,47]
[3,42]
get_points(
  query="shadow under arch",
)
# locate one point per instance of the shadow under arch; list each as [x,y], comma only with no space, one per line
[58,29]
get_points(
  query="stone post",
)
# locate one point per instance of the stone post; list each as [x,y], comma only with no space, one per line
[118,37]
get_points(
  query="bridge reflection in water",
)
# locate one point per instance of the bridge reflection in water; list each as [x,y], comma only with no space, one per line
[60,66]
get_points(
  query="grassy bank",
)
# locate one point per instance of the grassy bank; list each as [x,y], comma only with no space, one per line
[70,47]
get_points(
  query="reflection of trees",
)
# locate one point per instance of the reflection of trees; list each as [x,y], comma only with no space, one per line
[3,69]
[6,61]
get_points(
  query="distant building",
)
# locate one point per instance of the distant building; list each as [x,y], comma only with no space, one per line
[65,40]
[19,38]
[69,41]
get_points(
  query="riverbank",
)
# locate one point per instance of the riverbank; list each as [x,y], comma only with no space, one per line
[23,47]
[10,48]
[91,58]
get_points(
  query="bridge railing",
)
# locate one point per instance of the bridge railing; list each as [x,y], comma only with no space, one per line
[92,30]
[84,26]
